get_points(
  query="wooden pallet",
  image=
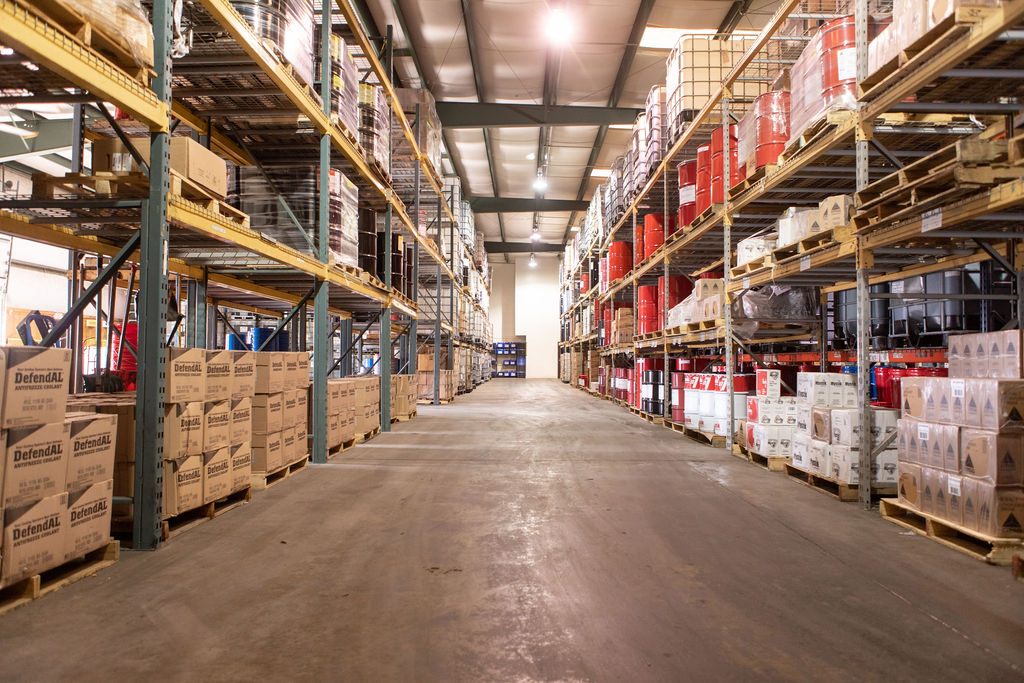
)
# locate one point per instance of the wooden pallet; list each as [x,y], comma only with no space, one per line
[341,448]
[184,187]
[261,481]
[809,243]
[707,438]
[770,463]
[36,586]
[675,426]
[753,178]
[980,546]
[750,266]
[819,126]
[366,436]
[180,523]
[106,41]
[430,401]
[653,419]
[846,493]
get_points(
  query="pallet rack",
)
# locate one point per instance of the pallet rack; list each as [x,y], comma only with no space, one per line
[957,70]
[256,114]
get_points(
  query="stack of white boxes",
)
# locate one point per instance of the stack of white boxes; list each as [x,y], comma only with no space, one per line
[817,394]
[845,426]
[57,470]
[961,438]
[771,417]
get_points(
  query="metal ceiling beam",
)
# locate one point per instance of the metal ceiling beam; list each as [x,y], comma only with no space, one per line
[521,247]
[467,22]
[50,135]
[495,115]
[643,13]
[733,16]
[524,204]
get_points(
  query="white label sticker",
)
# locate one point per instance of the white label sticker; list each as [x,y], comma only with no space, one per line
[805,263]
[846,63]
[746,283]
[931,220]
[687,194]
[923,432]
[896,286]
[954,485]
[956,388]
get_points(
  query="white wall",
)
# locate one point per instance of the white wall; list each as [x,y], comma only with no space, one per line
[537,314]
[503,300]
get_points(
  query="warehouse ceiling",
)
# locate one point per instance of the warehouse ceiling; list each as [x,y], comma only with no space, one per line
[500,51]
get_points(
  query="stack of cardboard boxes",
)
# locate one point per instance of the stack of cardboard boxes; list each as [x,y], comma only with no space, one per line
[279,410]
[593,368]
[800,223]
[705,302]
[827,435]
[425,374]
[961,438]
[771,417]
[367,403]
[56,476]
[403,395]
[341,411]
[622,326]
[208,417]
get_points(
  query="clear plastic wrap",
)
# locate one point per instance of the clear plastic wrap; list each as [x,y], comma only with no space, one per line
[656,131]
[773,302]
[755,247]
[375,124]
[125,19]
[288,24]
[430,124]
[746,139]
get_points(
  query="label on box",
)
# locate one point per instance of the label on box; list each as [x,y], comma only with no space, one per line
[923,431]
[931,220]
[954,484]
[956,388]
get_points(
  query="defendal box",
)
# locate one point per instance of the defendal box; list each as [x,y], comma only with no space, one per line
[34,538]
[35,388]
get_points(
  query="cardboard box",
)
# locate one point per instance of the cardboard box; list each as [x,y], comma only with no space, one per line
[93,442]
[801,450]
[1005,351]
[787,408]
[216,425]
[835,210]
[183,484]
[302,378]
[957,401]
[803,418]
[291,370]
[185,375]
[1000,511]
[189,159]
[909,483]
[819,457]
[36,463]
[241,466]
[821,424]
[34,538]
[218,375]
[813,388]
[183,429]
[937,400]
[243,374]
[954,498]
[89,511]
[994,403]
[241,420]
[267,413]
[270,374]
[995,457]
[708,288]
[928,437]
[216,474]
[769,383]
[35,389]
[950,448]
[290,409]
[288,445]
[969,502]
[302,409]
[266,452]
[301,444]
[929,489]
[334,425]
[913,396]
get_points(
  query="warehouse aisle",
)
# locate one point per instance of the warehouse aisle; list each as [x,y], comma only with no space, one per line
[527,532]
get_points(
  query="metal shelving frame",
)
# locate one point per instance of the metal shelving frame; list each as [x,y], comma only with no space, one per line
[220,260]
[960,69]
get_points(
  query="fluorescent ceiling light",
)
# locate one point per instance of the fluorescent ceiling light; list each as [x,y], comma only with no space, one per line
[540,184]
[531,156]
[535,236]
[574,228]
[600,172]
[533,261]
[621,126]
[558,27]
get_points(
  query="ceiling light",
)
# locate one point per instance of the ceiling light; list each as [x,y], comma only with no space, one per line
[574,228]
[540,184]
[20,132]
[535,236]
[533,261]
[557,27]
[600,172]
[531,156]
[621,126]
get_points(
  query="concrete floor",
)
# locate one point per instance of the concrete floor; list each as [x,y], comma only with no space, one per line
[529,532]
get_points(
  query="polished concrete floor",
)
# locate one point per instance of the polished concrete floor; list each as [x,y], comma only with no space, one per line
[529,532]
